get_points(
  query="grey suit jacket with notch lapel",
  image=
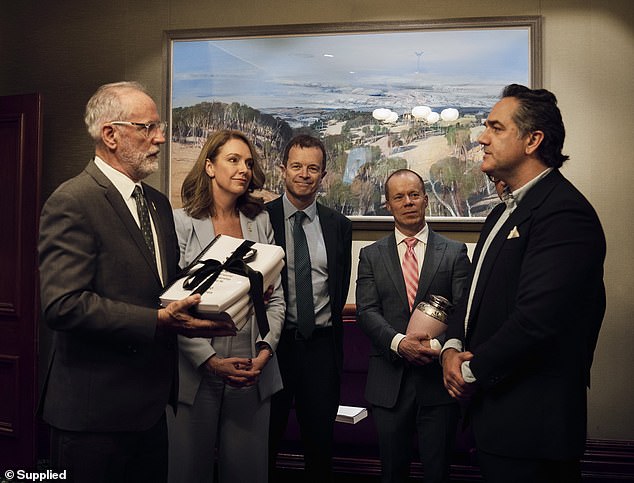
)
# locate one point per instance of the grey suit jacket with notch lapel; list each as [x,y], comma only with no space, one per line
[110,370]
[194,235]
[383,310]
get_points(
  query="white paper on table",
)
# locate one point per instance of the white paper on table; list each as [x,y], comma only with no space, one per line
[351,414]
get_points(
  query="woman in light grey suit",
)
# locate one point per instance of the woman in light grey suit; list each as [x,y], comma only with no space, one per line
[225,382]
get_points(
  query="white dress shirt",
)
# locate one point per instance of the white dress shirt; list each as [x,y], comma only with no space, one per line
[125,186]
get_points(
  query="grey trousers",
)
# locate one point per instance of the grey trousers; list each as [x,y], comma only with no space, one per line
[234,421]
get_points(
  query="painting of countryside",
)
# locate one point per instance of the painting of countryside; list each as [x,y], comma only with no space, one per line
[379,101]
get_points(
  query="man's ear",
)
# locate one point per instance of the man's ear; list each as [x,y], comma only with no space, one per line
[109,137]
[535,138]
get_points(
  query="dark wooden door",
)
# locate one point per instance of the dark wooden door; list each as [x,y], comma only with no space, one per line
[20,159]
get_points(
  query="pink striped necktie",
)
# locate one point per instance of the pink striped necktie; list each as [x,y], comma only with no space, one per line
[410,270]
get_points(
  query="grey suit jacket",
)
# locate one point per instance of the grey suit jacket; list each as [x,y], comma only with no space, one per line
[193,236]
[383,310]
[110,369]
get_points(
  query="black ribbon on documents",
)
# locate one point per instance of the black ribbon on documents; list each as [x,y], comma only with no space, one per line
[204,277]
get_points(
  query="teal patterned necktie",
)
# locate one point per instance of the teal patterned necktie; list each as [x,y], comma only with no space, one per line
[303,279]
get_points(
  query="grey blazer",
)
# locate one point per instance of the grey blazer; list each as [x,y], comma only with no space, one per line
[383,310]
[194,235]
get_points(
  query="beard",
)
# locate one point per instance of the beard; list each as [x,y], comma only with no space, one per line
[139,164]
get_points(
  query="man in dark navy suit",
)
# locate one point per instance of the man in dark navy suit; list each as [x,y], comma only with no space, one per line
[521,343]
[310,352]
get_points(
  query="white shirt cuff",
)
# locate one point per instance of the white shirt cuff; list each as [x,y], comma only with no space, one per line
[467,375]
[451,344]
[395,342]
[433,343]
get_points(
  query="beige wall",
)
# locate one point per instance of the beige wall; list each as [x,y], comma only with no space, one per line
[66,49]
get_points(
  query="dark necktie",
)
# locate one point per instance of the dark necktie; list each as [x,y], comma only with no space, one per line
[144,219]
[303,279]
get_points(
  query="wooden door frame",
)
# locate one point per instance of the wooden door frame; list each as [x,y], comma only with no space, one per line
[20,172]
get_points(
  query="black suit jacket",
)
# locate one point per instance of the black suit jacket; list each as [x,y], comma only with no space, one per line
[534,322]
[337,231]
[383,310]
[110,370]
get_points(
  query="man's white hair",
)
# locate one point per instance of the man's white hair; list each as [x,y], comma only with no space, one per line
[106,105]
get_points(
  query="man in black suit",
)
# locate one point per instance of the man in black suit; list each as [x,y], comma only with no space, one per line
[404,382]
[521,343]
[103,265]
[310,358]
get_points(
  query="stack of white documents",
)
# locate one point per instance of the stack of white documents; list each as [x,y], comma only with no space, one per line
[228,297]
[351,414]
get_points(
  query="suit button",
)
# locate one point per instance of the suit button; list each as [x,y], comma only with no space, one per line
[132,349]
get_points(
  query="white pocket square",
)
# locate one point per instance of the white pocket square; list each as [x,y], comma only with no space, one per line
[514,233]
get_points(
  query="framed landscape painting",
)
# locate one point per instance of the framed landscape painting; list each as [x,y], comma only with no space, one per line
[381,96]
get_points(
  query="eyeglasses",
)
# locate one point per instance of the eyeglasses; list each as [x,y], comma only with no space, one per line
[150,127]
